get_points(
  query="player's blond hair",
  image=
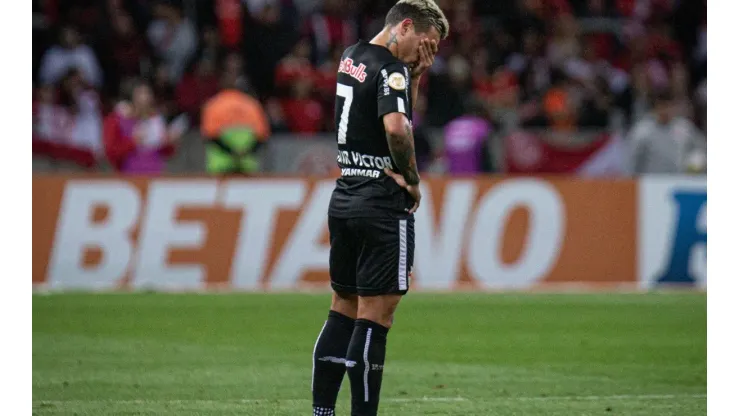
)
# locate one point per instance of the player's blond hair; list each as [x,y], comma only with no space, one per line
[424,13]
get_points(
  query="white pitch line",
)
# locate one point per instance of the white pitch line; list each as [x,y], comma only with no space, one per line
[426,399]
[611,397]
[392,399]
[208,401]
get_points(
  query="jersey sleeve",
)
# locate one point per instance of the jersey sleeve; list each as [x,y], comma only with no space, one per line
[393,90]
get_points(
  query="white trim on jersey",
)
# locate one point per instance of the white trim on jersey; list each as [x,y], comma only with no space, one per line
[401,106]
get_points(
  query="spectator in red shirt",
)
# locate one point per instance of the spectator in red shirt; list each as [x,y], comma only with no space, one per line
[546,9]
[330,28]
[326,78]
[660,44]
[303,113]
[137,138]
[500,91]
[67,125]
[230,14]
[197,87]
[294,64]
[128,50]
[642,9]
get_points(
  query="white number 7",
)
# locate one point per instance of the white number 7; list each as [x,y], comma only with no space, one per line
[346,92]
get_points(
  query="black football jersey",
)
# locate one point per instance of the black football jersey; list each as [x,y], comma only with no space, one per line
[371,83]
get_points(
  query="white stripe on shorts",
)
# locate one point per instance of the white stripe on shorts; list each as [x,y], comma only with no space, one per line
[402,277]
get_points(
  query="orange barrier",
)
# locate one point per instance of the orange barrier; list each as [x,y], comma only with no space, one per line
[256,234]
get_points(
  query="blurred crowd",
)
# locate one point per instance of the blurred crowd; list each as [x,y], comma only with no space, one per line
[557,65]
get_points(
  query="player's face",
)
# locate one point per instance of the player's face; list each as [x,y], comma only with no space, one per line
[410,39]
[142,97]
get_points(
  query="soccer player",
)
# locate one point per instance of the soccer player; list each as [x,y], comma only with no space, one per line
[371,223]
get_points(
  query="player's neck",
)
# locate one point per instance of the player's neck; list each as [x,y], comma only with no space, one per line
[387,39]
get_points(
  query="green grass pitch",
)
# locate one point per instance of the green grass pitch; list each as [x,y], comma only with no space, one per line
[448,354]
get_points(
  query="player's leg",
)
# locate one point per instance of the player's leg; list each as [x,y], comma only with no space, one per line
[383,268]
[331,346]
[366,353]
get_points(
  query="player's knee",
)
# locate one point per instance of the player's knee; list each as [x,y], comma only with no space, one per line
[384,318]
[379,309]
[344,303]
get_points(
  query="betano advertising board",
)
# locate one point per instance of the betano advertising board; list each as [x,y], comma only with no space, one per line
[496,233]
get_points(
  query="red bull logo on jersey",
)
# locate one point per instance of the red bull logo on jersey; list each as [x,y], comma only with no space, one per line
[348,67]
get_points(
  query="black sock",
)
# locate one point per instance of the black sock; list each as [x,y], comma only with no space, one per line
[365,359]
[328,362]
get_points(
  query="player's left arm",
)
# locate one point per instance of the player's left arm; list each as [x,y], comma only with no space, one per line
[395,111]
[427,50]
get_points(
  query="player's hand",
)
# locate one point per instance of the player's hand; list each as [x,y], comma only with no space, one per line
[415,193]
[427,50]
[413,190]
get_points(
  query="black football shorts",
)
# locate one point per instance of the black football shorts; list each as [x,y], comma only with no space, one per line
[371,256]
